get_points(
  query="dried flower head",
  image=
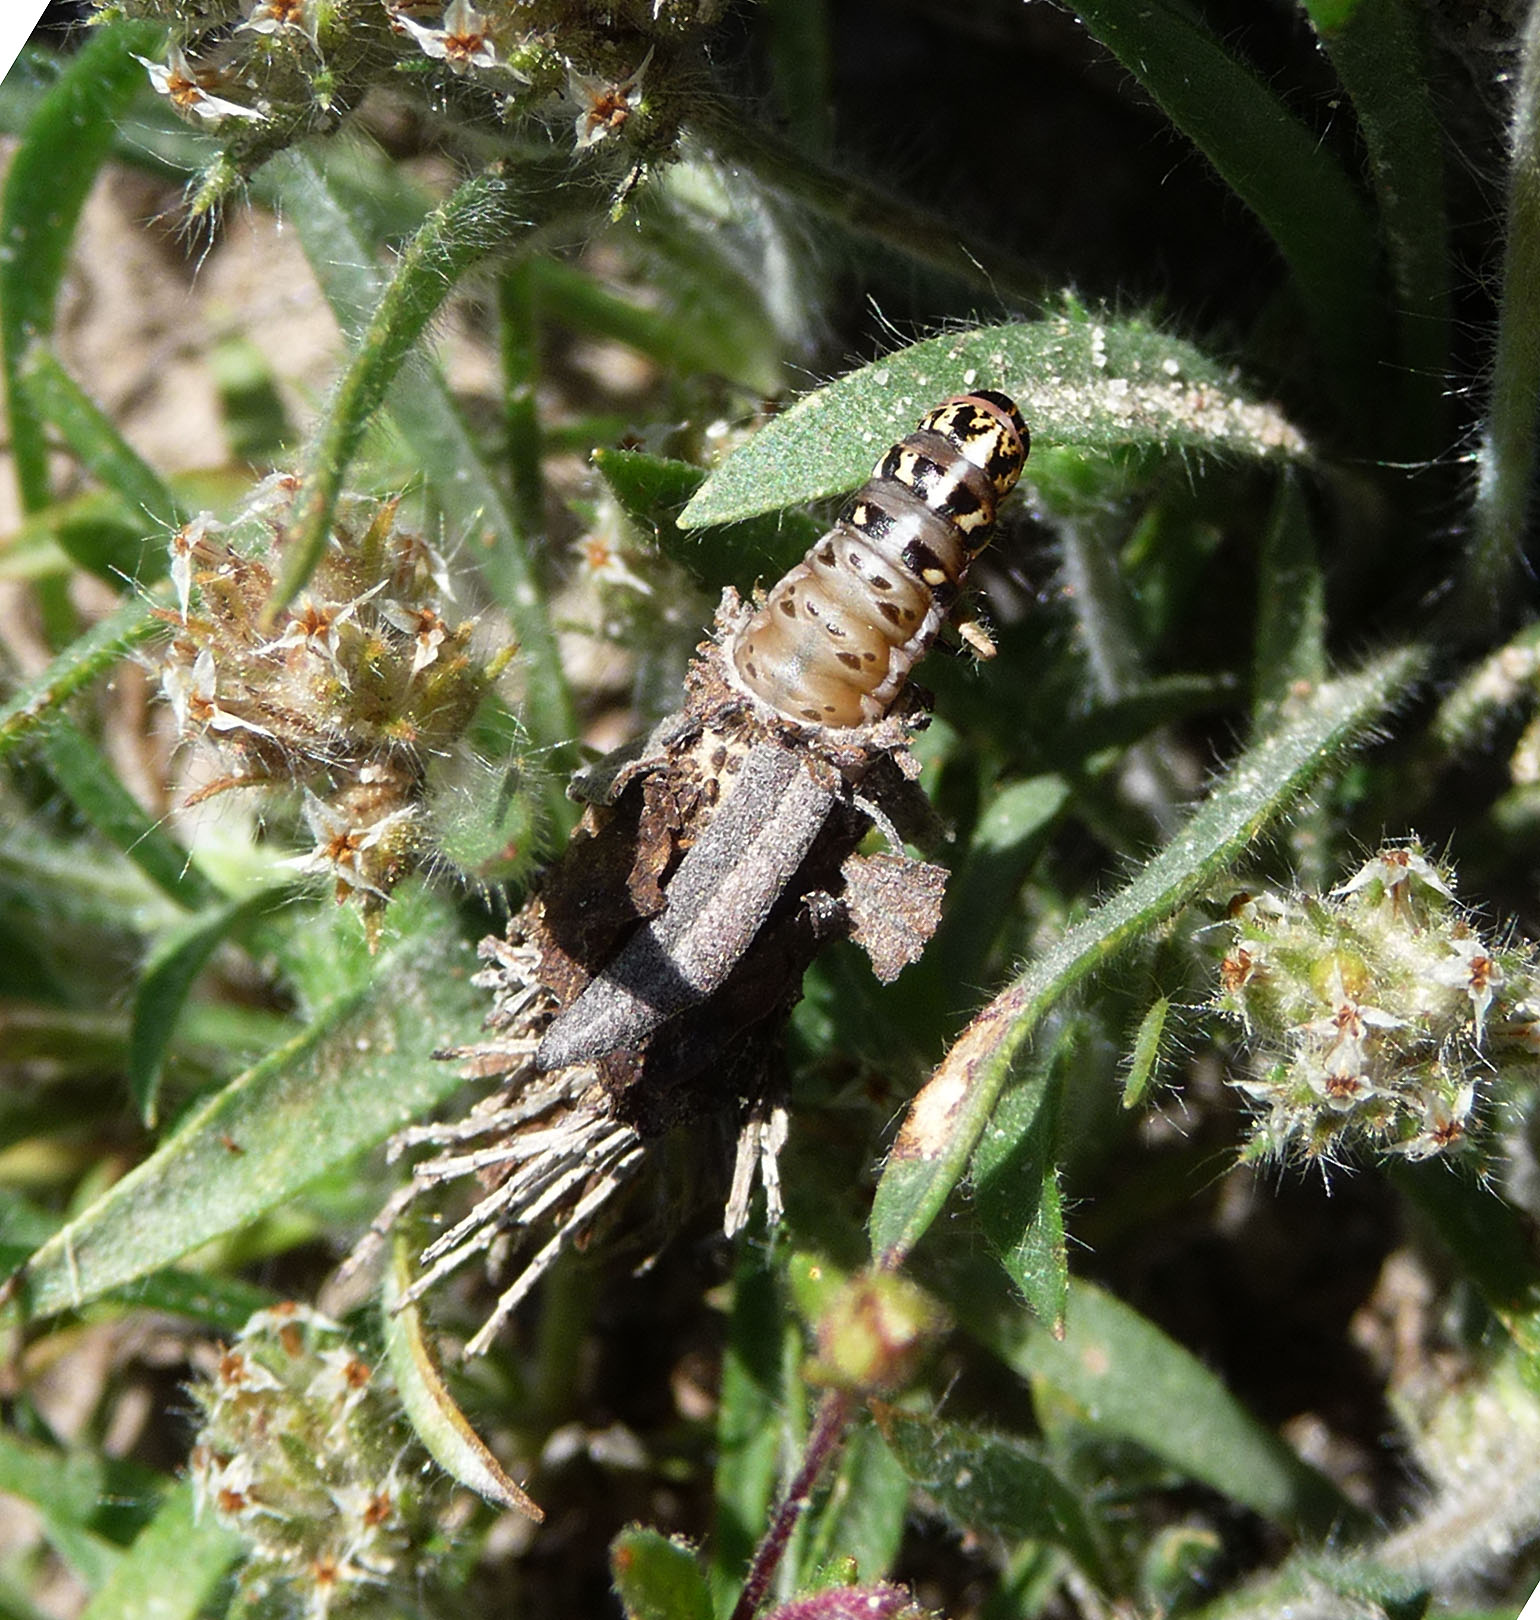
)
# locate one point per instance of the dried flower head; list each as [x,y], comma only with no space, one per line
[365,682]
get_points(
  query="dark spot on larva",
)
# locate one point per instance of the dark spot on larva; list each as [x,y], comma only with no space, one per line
[825,554]
[869,656]
[849,660]
[711,790]
[924,562]
[880,582]
[810,608]
[718,758]
[889,611]
[815,715]
[750,668]
[789,604]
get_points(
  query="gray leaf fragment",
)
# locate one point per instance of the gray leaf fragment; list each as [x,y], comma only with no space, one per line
[717,902]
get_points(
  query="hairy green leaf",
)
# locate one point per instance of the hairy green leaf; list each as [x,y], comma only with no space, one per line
[1081,382]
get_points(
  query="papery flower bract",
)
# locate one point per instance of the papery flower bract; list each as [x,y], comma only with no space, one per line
[1443,1123]
[1396,869]
[423,624]
[463,41]
[192,693]
[281,16]
[179,82]
[184,543]
[604,105]
[1469,967]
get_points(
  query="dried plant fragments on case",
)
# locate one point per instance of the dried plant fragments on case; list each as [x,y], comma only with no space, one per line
[832,646]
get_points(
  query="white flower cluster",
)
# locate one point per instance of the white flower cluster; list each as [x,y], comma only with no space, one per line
[1377,1014]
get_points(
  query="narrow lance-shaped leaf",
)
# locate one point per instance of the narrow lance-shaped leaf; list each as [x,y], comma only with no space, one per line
[947,1118]
[435,1416]
[1080,382]
[1508,453]
[994,1483]
[1130,1378]
[360,1070]
[75,668]
[40,209]
[1275,164]
[1016,1183]
[1377,50]
[98,446]
[165,982]
[465,228]
[88,777]
[172,1568]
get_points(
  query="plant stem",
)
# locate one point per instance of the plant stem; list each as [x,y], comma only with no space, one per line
[823,1446]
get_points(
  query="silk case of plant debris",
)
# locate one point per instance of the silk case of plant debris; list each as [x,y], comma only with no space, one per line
[408,410]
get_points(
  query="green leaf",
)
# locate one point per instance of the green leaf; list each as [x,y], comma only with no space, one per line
[758,1414]
[178,958]
[108,457]
[79,664]
[1291,606]
[951,1112]
[1145,1057]
[88,777]
[1376,46]
[861,1521]
[657,1578]
[68,1489]
[172,1568]
[1016,1182]
[1490,1239]
[653,491]
[1507,458]
[1277,166]
[1131,1379]
[435,1416]
[994,1484]
[360,1070]
[44,193]
[461,231]
[1080,382]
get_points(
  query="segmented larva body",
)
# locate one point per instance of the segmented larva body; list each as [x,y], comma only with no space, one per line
[836,638]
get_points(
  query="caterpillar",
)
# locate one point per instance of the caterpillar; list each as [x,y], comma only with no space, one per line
[835,640]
